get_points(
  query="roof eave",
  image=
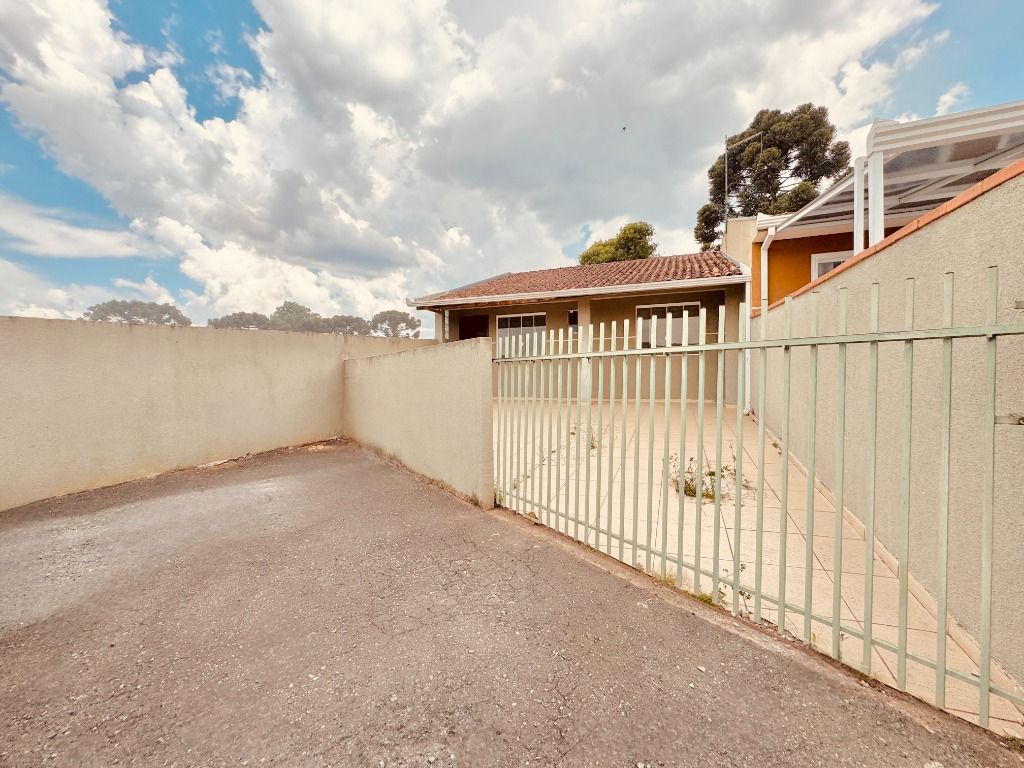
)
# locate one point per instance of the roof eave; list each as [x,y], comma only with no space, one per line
[573,293]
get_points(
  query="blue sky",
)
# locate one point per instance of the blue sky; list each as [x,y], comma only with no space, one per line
[228,156]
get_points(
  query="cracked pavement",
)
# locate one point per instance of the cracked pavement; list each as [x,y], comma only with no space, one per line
[318,606]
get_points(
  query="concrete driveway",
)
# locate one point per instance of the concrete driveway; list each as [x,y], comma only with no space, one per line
[319,607]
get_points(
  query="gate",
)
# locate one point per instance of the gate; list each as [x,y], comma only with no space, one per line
[638,446]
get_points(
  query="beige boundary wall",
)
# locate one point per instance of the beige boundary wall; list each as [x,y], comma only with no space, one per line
[83,405]
[988,230]
[431,410]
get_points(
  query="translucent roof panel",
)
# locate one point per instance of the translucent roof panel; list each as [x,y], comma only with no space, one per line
[926,162]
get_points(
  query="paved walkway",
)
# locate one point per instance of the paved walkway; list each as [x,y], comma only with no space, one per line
[318,607]
[623,477]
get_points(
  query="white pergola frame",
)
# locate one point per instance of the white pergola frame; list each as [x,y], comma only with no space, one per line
[887,140]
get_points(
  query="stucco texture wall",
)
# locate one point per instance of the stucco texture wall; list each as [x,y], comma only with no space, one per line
[986,231]
[431,410]
[83,405]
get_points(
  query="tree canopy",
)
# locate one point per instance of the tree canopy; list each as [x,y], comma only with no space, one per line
[776,172]
[253,321]
[292,316]
[633,241]
[392,322]
[139,312]
[350,325]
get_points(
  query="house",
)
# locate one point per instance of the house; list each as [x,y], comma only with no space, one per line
[565,300]
[908,169]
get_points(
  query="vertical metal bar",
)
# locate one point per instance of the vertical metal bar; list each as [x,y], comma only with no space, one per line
[516,416]
[652,377]
[716,565]
[942,607]
[558,433]
[812,431]
[579,431]
[549,454]
[531,415]
[611,437]
[904,540]
[698,468]
[510,412]
[517,469]
[666,428]
[839,485]
[869,508]
[536,397]
[737,525]
[499,454]
[568,430]
[787,353]
[524,425]
[988,499]
[513,413]
[625,439]
[600,432]
[636,439]
[683,400]
[588,361]
[570,373]
[762,383]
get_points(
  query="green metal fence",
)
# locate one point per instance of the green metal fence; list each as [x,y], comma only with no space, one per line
[593,430]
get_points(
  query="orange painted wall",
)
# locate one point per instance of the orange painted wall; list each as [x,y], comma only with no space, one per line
[789,262]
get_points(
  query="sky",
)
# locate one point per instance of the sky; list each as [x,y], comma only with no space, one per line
[227,155]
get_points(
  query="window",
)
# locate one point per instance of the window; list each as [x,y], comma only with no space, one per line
[823,263]
[473,326]
[528,327]
[574,318]
[663,312]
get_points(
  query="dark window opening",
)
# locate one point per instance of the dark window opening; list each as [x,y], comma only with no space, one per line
[473,327]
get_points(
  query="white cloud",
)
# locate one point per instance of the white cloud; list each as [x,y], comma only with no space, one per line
[391,148]
[228,80]
[49,232]
[148,288]
[27,294]
[952,99]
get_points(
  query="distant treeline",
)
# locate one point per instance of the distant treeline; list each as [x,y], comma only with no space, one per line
[290,316]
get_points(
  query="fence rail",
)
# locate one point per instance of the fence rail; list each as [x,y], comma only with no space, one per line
[592,436]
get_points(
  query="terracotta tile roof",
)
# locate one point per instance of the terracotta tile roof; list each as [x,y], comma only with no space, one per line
[657,269]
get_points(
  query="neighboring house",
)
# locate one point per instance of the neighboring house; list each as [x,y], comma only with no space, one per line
[567,299]
[908,169]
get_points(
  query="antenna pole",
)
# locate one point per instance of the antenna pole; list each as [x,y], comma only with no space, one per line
[725,191]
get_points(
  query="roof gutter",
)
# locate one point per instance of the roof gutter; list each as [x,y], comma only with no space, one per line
[665,285]
[764,266]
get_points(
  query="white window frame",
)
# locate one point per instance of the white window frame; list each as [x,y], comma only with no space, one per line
[667,307]
[818,258]
[499,318]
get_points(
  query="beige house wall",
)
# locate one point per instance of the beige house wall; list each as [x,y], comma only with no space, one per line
[730,297]
[83,405]
[557,316]
[617,309]
[430,409]
[986,231]
[740,232]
